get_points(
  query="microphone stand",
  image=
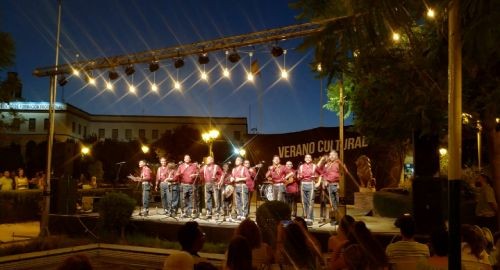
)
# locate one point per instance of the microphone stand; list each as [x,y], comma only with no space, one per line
[118,174]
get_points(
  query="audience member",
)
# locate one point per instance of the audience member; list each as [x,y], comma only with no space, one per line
[406,251]
[239,254]
[495,253]
[179,261]
[474,255]
[367,253]
[76,262]
[261,252]
[486,207]
[205,266]
[191,239]
[6,182]
[295,249]
[337,243]
[301,221]
[439,251]
[21,180]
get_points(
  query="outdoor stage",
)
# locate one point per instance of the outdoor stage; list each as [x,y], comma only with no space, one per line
[158,225]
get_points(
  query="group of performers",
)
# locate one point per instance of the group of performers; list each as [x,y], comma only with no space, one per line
[180,184]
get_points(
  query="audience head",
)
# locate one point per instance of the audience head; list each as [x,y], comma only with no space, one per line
[296,245]
[473,236]
[302,222]
[372,250]
[6,174]
[204,266]
[439,242]
[191,237]
[346,224]
[76,262]
[406,225]
[239,254]
[249,229]
[179,261]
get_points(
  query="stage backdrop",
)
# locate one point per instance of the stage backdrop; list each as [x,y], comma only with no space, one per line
[318,142]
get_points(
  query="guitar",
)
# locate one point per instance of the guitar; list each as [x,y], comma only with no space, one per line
[135,178]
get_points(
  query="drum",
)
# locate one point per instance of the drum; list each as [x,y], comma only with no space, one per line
[266,192]
[228,191]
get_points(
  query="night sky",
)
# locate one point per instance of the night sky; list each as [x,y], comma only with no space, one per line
[97,28]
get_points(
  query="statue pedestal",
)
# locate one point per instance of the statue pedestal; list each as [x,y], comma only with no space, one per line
[363,200]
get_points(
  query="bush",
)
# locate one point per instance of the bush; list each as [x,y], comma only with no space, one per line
[115,210]
[269,215]
[390,204]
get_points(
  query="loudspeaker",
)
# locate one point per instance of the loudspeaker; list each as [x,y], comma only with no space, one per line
[63,195]
[429,203]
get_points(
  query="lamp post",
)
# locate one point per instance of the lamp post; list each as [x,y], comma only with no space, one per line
[209,137]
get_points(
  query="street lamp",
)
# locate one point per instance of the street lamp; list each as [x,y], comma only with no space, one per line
[240,151]
[145,149]
[85,150]
[209,137]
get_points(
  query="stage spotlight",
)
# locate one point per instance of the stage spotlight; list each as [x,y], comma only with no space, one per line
[178,63]
[233,57]
[277,51]
[203,59]
[112,75]
[154,66]
[62,81]
[129,70]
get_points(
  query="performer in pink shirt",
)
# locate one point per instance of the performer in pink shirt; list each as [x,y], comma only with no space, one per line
[146,180]
[292,187]
[276,174]
[307,175]
[240,176]
[331,169]
[169,187]
[187,173]
[227,189]
[211,173]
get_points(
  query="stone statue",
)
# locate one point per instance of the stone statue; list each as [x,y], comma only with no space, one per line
[364,172]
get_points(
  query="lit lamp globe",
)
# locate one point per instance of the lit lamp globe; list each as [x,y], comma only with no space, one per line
[145,149]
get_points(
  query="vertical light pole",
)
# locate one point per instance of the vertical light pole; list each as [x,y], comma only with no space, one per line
[209,137]
[454,130]
[44,224]
[479,130]
[342,204]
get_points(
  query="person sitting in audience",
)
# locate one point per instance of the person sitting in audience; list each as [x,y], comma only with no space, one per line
[6,182]
[21,180]
[261,252]
[239,254]
[191,239]
[179,261]
[337,243]
[406,251]
[439,251]
[295,249]
[366,253]
[76,262]
[474,255]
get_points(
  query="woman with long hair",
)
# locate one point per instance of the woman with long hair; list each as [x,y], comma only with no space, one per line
[239,254]
[261,252]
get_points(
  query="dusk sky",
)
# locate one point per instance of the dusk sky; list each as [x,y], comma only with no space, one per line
[97,28]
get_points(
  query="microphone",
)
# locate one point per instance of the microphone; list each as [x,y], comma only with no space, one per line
[121,162]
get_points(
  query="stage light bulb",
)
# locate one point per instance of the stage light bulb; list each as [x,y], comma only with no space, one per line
[204,76]
[131,88]
[430,13]
[318,67]
[225,72]
[109,86]
[154,87]
[284,74]
[76,72]
[177,85]
[395,36]
[250,76]
[91,81]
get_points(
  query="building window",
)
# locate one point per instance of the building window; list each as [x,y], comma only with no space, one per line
[237,135]
[32,124]
[114,134]
[101,133]
[168,132]
[128,134]
[79,129]
[16,124]
[73,127]
[85,132]
[154,134]
[142,133]
[46,124]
